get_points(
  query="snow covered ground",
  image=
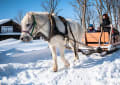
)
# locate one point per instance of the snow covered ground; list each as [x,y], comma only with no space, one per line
[31,64]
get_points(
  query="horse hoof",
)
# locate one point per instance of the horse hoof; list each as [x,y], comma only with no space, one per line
[67,65]
[76,58]
[55,69]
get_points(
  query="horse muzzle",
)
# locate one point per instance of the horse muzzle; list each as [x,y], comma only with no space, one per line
[25,38]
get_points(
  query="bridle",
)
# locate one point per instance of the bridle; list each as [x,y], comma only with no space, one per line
[32,27]
[34,24]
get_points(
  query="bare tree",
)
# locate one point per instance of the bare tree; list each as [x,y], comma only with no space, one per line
[91,16]
[108,8]
[78,13]
[91,11]
[83,13]
[19,17]
[51,6]
[115,7]
[80,7]
[100,8]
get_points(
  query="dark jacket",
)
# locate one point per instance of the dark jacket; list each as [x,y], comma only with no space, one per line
[106,22]
[93,30]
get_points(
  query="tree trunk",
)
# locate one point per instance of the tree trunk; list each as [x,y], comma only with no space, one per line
[114,15]
[99,8]
[83,16]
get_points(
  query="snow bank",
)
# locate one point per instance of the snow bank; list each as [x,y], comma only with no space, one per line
[31,64]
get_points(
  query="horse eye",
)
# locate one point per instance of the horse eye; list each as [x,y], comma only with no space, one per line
[27,25]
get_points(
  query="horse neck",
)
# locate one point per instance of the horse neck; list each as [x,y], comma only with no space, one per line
[45,29]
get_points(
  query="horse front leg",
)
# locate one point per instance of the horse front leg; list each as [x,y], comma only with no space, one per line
[62,48]
[54,56]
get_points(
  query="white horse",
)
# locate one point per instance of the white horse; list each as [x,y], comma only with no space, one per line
[34,23]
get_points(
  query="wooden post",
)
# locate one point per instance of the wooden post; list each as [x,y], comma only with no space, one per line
[85,40]
[100,36]
[110,40]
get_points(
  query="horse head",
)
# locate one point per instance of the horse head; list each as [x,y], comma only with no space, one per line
[33,23]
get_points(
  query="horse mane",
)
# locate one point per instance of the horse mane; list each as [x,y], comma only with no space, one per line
[41,13]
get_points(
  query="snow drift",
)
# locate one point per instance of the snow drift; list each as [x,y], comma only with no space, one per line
[31,63]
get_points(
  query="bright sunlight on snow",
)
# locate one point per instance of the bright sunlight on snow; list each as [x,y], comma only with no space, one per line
[31,64]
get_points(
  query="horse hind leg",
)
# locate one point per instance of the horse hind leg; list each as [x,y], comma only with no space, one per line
[74,49]
[77,47]
[75,54]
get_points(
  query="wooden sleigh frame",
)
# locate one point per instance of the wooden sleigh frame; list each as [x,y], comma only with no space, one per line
[92,39]
[97,42]
[101,40]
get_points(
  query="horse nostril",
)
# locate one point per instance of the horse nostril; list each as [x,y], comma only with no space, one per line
[25,38]
[21,38]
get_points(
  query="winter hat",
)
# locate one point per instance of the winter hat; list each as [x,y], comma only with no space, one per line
[90,25]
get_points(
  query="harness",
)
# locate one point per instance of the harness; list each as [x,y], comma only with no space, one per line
[53,28]
[65,23]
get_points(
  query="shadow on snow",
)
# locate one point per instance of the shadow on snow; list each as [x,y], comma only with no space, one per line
[91,62]
[17,56]
[14,56]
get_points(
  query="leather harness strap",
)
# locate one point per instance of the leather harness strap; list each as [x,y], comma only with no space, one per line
[65,23]
[54,29]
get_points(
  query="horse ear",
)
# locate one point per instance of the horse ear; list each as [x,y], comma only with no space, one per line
[30,14]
